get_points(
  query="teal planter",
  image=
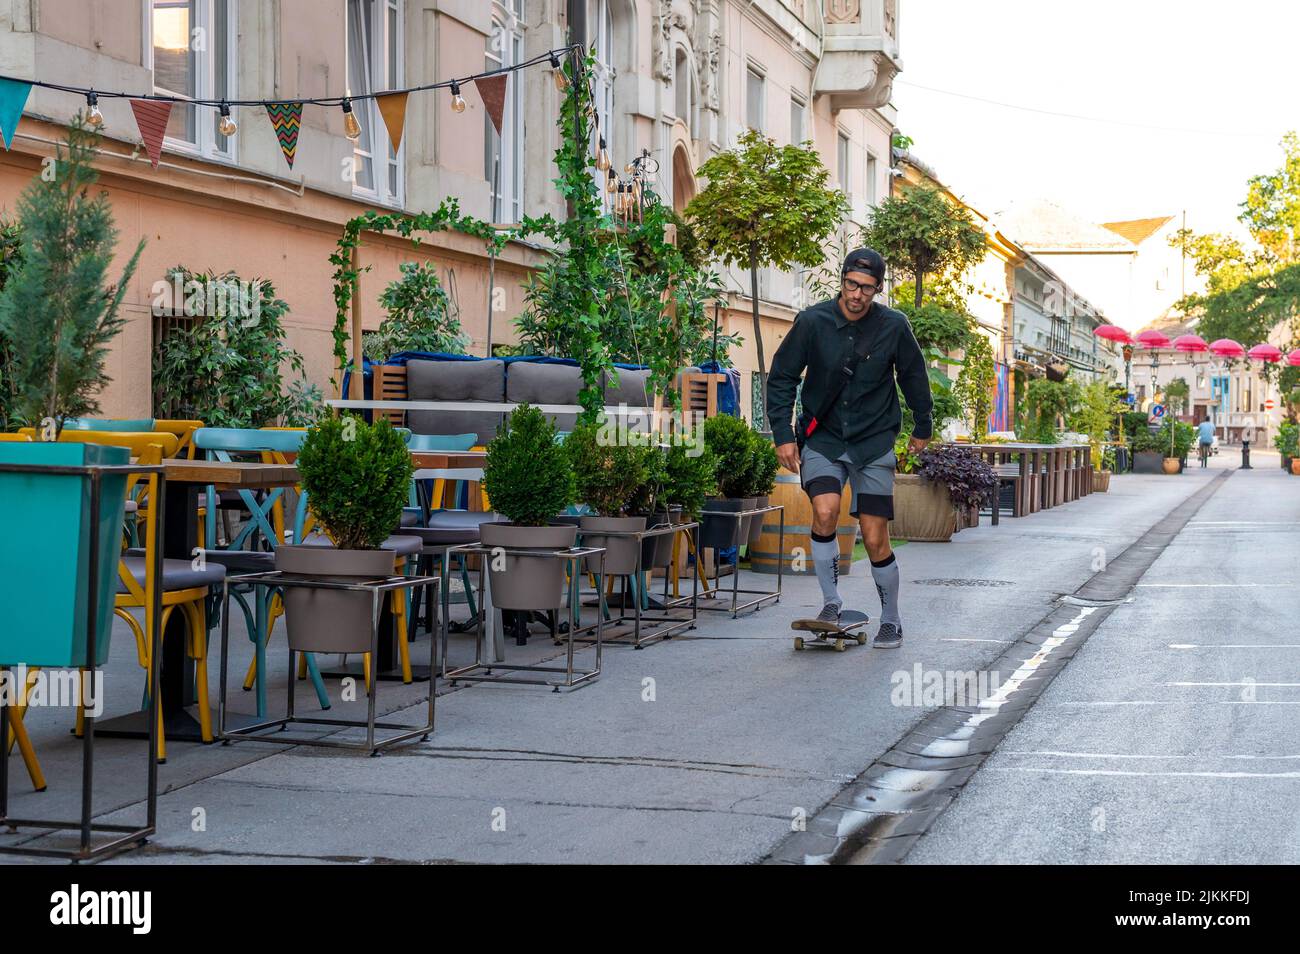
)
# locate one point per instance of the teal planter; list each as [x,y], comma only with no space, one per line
[45,560]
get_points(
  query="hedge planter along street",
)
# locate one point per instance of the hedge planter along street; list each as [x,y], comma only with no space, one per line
[356,477]
[923,511]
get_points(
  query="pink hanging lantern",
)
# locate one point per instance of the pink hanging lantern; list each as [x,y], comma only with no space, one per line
[1265,352]
[1191,344]
[1293,358]
[1113,333]
[1151,339]
[1227,348]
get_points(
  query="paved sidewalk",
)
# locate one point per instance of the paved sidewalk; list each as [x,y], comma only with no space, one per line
[701,749]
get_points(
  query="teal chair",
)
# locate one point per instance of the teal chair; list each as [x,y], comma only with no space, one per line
[242,555]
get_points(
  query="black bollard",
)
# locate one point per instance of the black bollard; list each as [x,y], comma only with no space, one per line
[1245,456]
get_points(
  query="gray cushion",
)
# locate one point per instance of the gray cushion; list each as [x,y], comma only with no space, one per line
[455,381]
[242,561]
[403,545]
[177,574]
[632,388]
[540,383]
[447,527]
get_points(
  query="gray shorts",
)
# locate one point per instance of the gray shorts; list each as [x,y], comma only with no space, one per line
[872,483]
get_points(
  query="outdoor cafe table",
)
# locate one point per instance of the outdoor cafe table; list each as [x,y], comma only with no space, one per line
[1050,474]
[186,480]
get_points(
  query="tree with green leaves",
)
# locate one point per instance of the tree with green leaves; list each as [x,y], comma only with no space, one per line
[919,233]
[58,313]
[765,205]
[1177,393]
[11,259]
[975,385]
[419,316]
[1252,287]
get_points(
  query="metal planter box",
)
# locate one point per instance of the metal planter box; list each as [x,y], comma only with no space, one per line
[45,562]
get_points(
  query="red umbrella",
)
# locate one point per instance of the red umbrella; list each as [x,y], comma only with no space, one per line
[1227,348]
[1113,333]
[1192,344]
[1153,339]
[1293,357]
[1265,352]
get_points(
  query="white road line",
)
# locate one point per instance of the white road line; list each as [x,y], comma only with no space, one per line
[973,640]
[1234,645]
[1052,771]
[1125,755]
[1120,702]
[1281,685]
[1259,702]
[1214,585]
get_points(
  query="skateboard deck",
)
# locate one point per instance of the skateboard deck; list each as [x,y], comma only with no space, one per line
[850,627]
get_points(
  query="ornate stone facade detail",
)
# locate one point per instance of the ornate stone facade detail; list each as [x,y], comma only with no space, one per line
[710,58]
[843,11]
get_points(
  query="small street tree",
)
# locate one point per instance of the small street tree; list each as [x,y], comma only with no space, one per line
[921,233]
[765,205]
[975,384]
[57,312]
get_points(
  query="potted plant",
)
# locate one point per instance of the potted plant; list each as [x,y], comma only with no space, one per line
[1287,442]
[356,477]
[732,447]
[949,479]
[610,469]
[1102,472]
[1175,440]
[1147,451]
[760,482]
[58,314]
[528,478]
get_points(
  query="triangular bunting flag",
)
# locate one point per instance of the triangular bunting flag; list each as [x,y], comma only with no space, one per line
[393,108]
[13,97]
[287,120]
[493,91]
[151,119]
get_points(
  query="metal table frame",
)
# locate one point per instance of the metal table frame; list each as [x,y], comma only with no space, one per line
[760,596]
[129,836]
[573,678]
[378,590]
[673,624]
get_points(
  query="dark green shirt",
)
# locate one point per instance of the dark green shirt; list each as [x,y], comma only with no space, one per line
[867,417]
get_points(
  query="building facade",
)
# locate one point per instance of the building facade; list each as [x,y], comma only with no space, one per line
[677,78]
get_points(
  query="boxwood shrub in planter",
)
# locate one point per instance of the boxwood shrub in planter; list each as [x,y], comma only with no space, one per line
[732,445]
[611,472]
[761,481]
[529,480]
[356,477]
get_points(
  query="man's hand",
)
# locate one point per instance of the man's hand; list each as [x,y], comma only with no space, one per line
[788,455]
[917,444]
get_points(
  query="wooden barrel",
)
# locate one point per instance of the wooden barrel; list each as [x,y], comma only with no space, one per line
[797,557]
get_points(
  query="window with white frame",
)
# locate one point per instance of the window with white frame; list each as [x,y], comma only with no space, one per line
[600,34]
[842,161]
[798,112]
[754,98]
[503,155]
[872,167]
[190,48]
[374,65]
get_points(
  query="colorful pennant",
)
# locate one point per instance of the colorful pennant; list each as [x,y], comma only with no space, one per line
[13,97]
[151,119]
[286,118]
[493,91]
[393,108]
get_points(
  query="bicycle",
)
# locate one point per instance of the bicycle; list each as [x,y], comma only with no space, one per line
[1204,453]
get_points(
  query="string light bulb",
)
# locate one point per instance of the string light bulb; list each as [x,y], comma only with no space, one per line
[351,128]
[226,126]
[612,184]
[557,72]
[457,101]
[93,116]
[602,156]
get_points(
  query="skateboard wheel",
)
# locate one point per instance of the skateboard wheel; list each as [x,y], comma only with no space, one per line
[798,642]
[862,640]
[839,645]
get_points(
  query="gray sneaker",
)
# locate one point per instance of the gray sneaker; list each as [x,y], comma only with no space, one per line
[890,636]
[830,614]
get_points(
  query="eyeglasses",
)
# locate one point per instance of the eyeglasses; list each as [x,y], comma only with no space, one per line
[851,286]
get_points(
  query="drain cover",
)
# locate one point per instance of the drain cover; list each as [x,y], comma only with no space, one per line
[963,582]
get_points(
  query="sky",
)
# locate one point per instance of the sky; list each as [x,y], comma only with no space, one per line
[1193,98]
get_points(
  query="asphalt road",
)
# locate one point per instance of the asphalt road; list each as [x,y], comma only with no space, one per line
[1171,737]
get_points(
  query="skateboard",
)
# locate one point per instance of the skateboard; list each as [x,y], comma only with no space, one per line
[851,625]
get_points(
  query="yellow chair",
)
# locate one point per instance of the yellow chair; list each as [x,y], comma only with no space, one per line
[16,437]
[18,734]
[184,433]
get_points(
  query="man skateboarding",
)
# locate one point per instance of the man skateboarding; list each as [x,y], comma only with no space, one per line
[852,349]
